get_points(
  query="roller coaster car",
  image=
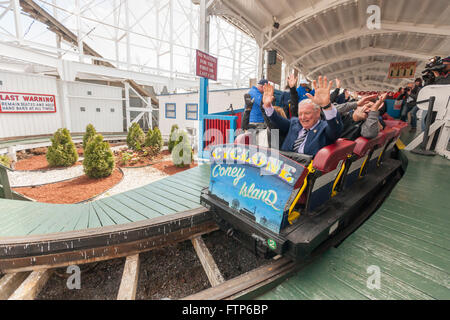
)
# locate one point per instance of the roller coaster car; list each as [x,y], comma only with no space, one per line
[278,203]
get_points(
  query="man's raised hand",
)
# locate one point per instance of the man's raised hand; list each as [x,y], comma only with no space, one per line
[268,95]
[322,92]
[379,103]
[366,99]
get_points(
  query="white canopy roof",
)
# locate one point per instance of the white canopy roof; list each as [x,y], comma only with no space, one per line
[331,37]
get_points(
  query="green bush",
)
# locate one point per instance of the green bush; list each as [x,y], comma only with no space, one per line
[90,132]
[154,139]
[148,137]
[172,137]
[182,153]
[5,160]
[98,158]
[62,152]
[135,137]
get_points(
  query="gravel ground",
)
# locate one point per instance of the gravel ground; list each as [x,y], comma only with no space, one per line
[32,178]
[134,178]
[172,272]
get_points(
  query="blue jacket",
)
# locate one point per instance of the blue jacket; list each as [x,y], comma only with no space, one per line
[324,134]
[302,93]
[256,114]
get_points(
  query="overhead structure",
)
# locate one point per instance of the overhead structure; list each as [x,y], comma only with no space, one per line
[147,42]
[343,38]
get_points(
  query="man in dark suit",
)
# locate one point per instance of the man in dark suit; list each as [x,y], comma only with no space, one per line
[307,134]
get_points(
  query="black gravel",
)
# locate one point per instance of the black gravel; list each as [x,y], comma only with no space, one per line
[172,272]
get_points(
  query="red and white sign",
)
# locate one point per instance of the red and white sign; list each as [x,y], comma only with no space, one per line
[206,66]
[399,70]
[14,102]
[398,104]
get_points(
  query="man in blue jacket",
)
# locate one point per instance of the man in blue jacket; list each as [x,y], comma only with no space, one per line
[307,134]
[256,92]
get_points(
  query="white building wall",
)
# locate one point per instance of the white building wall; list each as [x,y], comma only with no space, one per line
[219,101]
[98,101]
[29,124]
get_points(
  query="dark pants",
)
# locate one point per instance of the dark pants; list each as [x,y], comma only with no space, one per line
[404,114]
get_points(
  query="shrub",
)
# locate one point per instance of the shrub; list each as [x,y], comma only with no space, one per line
[90,132]
[62,152]
[148,137]
[182,153]
[5,160]
[154,139]
[172,137]
[135,137]
[98,158]
[125,158]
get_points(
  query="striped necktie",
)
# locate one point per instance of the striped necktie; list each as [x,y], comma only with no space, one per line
[300,140]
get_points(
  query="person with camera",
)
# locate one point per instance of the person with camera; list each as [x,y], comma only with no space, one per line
[436,73]
[442,76]
[404,97]
[411,105]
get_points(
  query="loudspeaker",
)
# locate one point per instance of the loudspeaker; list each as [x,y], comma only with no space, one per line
[272,57]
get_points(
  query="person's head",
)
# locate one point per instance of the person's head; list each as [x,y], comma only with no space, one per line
[303,83]
[400,90]
[308,113]
[261,84]
[418,82]
[361,113]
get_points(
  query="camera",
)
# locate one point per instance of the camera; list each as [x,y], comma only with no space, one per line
[436,64]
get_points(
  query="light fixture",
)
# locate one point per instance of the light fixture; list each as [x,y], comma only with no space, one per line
[276,25]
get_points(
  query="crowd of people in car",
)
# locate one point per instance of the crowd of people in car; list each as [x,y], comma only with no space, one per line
[309,120]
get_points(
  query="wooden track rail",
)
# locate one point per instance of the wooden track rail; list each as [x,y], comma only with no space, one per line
[18,254]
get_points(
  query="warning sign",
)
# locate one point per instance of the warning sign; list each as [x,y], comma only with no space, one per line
[13,102]
[206,66]
[402,70]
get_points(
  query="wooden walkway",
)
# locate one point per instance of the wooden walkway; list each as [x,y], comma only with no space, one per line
[177,193]
[407,239]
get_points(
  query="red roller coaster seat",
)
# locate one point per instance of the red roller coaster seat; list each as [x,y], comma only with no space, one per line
[363,145]
[328,158]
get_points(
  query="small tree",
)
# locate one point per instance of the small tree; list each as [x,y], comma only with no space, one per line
[62,152]
[182,153]
[98,158]
[90,132]
[154,139]
[5,160]
[173,137]
[148,138]
[135,137]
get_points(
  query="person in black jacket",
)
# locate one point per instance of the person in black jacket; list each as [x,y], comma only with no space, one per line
[285,100]
[411,104]
[363,121]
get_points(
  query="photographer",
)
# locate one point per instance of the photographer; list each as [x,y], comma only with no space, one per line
[436,73]
[442,76]
[404,97]
[411,105]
